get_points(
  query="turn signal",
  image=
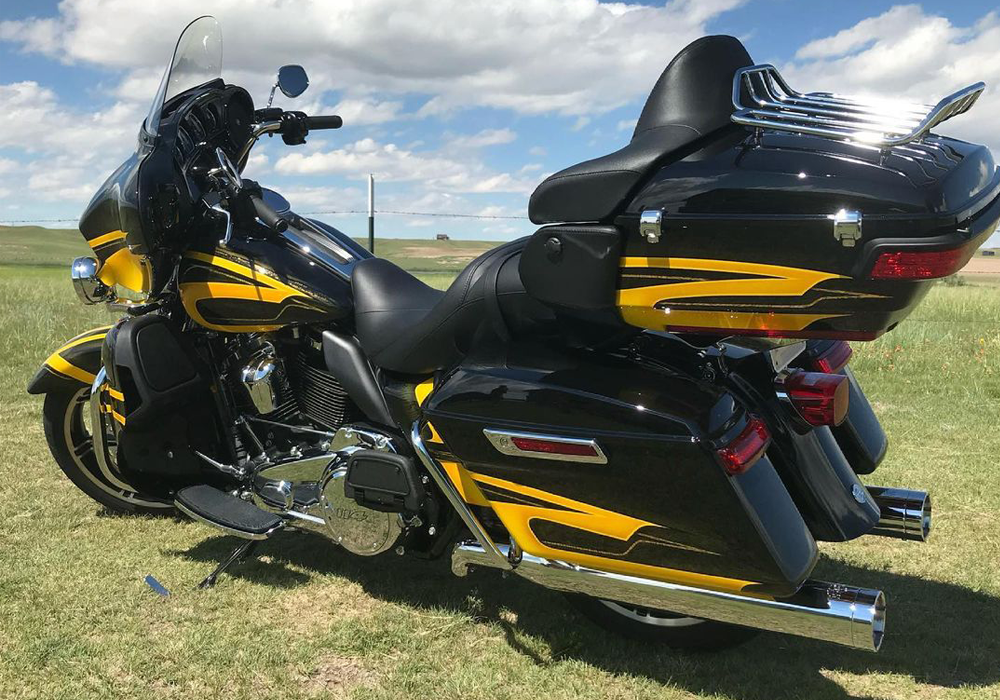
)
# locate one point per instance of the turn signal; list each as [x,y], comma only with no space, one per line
[832,359]
[913,265]
[820,399]
[749,446]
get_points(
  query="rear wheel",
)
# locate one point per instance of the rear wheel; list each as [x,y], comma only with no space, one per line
[68,430]
[662,627]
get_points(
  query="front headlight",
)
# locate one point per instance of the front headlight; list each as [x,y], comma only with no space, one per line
[84,275]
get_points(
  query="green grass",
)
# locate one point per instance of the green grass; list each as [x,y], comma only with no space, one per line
[306,620]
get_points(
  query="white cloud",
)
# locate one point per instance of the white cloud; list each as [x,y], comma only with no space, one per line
[68,152]
[569,56]
[910,54]
[627,124]
[364,110]
[486,137]
[390,163]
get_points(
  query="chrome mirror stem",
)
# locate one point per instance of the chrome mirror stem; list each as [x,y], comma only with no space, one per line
[218,209]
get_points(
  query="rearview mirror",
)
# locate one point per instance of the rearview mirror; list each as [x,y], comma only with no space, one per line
[292,80]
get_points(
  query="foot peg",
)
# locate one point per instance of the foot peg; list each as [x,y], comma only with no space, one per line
[227,513]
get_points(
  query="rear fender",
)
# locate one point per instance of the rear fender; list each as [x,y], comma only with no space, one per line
[72,366]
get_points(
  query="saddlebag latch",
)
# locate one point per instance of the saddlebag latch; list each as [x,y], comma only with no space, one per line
[847,227]
[650,225]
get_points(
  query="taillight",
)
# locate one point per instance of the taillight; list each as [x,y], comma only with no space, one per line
[749,446]
[818,398]
[832,359]
[914,265]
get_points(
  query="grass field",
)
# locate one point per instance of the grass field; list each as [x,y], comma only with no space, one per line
[306,620]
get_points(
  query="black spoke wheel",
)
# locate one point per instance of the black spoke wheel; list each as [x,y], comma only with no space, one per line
[68,430]
[659,626]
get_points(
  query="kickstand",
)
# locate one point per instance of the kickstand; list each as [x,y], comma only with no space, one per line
[244,550]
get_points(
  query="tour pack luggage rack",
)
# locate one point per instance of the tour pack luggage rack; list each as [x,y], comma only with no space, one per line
[775,105]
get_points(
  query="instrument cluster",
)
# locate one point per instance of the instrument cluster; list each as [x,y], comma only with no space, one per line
[216,118]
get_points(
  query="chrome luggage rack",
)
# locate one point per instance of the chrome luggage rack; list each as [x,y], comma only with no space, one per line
[884,123]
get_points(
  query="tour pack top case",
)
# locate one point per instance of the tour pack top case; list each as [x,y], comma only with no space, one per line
[744,207]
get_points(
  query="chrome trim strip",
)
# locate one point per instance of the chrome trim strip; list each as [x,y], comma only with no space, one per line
[906,514]
[775,105]
[854,617]
[503,441]
[497,559]
[228,530]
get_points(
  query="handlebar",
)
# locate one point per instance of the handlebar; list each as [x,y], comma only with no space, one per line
[328,122]
[272,219]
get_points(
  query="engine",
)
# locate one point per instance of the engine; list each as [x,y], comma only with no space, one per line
[347,482]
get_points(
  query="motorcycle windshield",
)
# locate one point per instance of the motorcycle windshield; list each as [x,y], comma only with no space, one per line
[197,60]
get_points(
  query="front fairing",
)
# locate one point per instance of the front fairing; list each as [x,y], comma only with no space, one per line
[112,214]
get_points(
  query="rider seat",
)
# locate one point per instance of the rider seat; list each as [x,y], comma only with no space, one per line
[405,326]
[692,99]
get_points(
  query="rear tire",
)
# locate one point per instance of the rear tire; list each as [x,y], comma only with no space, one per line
[65,417]
[661,627]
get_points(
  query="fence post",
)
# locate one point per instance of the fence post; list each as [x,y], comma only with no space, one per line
[371,213]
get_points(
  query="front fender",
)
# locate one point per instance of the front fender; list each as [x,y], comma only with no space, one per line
[73,365]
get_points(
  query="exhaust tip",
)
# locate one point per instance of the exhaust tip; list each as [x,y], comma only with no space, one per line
[905,514]
[878,621]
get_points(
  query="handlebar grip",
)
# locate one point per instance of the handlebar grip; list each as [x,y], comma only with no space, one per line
[272,219]
[330,122]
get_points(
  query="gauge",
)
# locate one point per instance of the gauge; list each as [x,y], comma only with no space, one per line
[184,143]
[209,119]
[239,116]
[196,127]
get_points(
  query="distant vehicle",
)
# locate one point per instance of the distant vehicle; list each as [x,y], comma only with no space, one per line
[443,237]
[989,253]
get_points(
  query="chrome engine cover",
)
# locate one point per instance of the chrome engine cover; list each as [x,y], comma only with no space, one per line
[357,529]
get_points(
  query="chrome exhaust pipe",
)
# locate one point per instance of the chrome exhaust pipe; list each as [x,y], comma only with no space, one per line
[854,617]
[906,514]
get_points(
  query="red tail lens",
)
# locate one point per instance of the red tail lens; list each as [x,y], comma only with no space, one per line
[743,452]
[820,399]
[912,265]
[833,359]
[553,447]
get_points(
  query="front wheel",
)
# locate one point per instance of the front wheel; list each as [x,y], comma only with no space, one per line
[658,626]
[68,430]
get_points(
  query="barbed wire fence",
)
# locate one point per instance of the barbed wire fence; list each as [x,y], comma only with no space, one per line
[321,212]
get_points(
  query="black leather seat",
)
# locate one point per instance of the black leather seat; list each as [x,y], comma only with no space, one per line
[405,326]
[692,99]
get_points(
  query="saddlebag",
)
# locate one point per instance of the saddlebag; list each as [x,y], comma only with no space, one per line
[611,463]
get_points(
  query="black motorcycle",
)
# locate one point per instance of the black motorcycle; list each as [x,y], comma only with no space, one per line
[646,404]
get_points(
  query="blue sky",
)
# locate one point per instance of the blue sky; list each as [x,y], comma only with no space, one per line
[457,105]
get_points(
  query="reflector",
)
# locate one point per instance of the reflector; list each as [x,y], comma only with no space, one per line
[912,265]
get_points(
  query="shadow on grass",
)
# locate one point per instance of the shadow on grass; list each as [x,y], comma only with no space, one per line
[938,633]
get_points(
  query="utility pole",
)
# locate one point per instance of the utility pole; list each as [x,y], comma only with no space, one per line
[371,213]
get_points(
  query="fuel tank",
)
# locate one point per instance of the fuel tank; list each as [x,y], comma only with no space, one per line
[634,484]
[255,285]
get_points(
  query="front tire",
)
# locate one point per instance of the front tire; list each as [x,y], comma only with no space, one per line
[65,417]
[661,627]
